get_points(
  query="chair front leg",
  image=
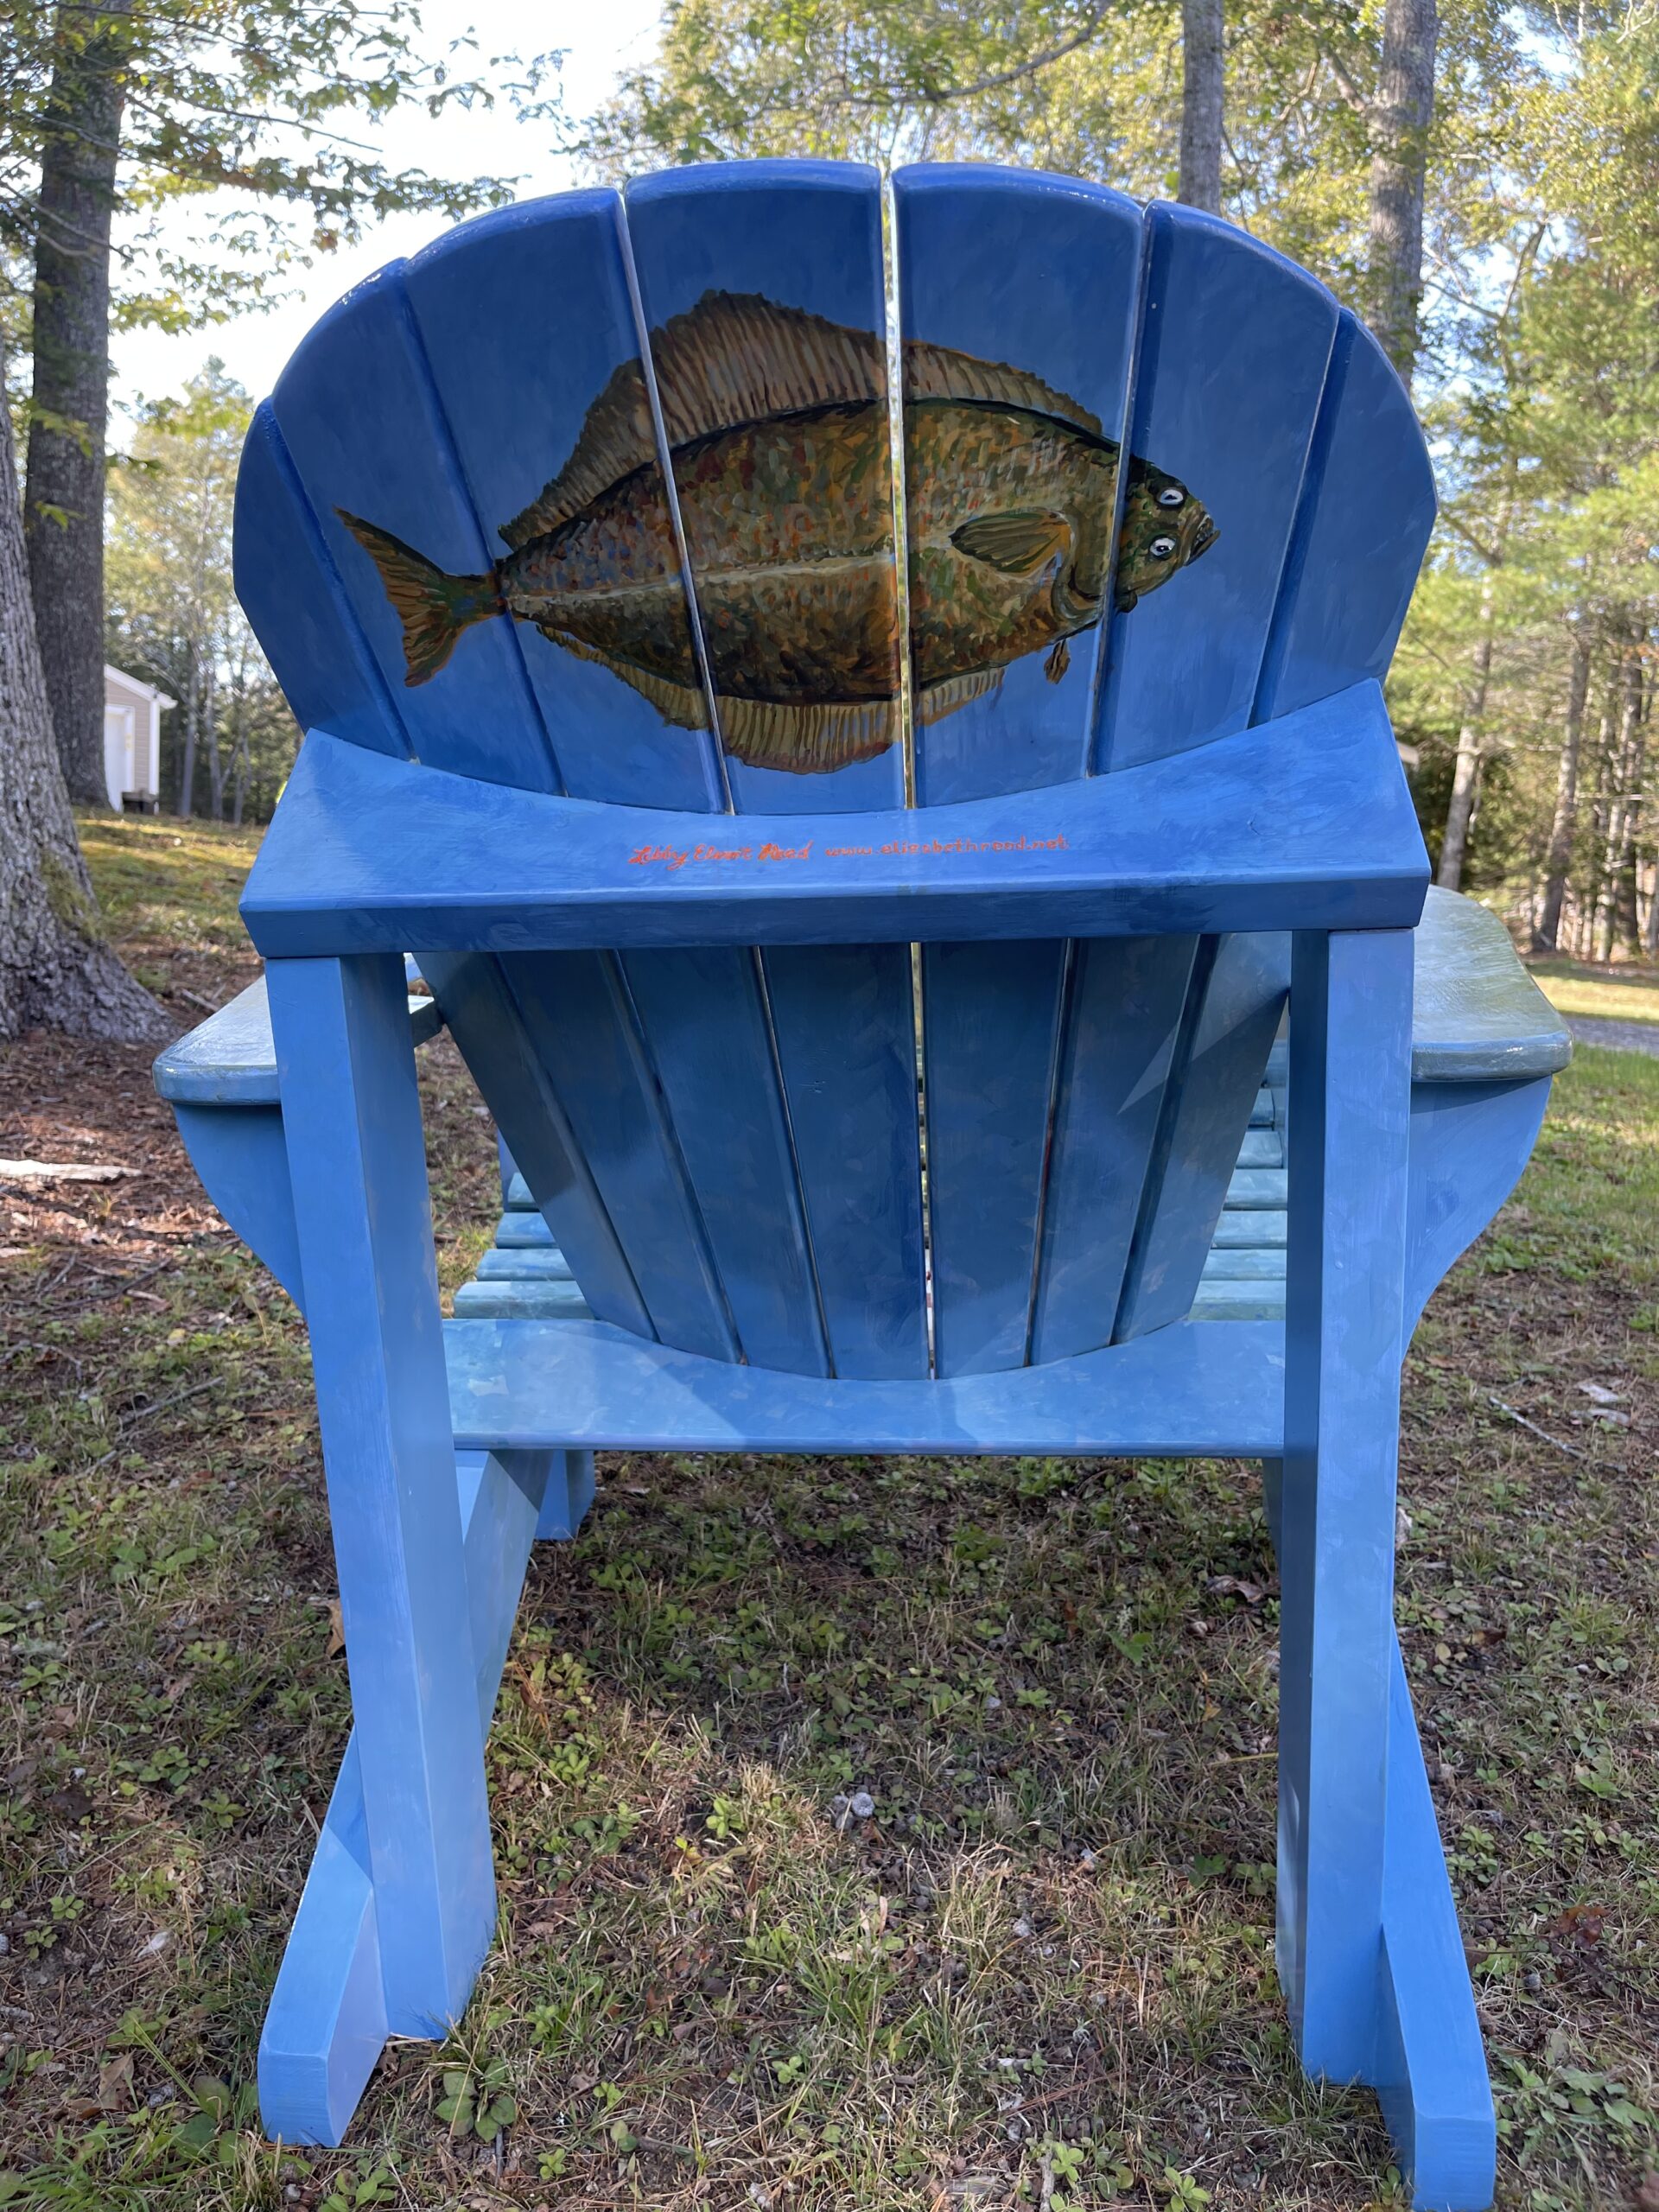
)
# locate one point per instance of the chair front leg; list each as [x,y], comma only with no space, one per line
[352,1116]
[1350,1110]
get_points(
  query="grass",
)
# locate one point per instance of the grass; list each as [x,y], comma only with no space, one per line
[870,1835]
[1609,994]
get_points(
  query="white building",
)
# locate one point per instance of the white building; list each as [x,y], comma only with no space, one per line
[132,741]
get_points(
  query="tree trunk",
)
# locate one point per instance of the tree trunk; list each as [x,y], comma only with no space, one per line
[187,766]
[1465,777]
[1400,120]
[1202,78]
[210,724]
[1563,827]
[55,971]
[1621,810]
[63,499]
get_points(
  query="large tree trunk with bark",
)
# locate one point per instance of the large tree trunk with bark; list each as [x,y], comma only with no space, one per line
[1563,829]
[1202,78]
[1400,120]
[63,499]
[55,970]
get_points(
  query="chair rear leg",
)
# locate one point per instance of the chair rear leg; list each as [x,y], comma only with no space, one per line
[352,1118]
[1377,1993]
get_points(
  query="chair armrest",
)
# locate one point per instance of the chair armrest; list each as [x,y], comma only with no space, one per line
[1477,1016]
[229,1059]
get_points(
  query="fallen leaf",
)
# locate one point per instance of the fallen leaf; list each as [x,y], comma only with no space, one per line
[336,1629]
[1229,1586]
[1600,1394]
[1582,1923]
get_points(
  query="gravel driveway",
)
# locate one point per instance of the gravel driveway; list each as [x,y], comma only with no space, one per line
[1622,1036]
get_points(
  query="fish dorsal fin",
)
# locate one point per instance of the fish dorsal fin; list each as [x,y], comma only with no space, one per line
[937,372]
[736,358]
[616,439]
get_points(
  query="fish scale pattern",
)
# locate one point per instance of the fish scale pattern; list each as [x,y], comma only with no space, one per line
[639,498]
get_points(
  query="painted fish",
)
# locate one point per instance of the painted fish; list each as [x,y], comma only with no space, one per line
[776,428]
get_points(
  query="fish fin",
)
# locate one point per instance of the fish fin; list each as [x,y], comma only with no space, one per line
[808,740]
[942,699]
[617,437]
[682,704]
[1018,544]
[734,358]
[939,373]
[1060,660]
[737,357]
[433,608]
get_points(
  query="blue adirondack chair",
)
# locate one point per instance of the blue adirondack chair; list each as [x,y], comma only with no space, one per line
[876,958]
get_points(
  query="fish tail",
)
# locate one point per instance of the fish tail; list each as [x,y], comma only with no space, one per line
[433,608]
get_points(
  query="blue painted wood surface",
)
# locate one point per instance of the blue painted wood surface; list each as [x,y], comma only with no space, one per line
[1429,2070]
[1304,823]
[1124,1019]
[1197,1389]
[292,592]
[326,2023]
[707,1014]
[1366,511]
[1235,345]
[484,1015]
[845,1044]
[393,464]
[1343,1340]
[1234,1002]
[804,237]
[526,317]
[990,1018]
[1051,331]
[353,1125]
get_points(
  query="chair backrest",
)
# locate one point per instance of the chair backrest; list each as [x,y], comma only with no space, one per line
[597,496]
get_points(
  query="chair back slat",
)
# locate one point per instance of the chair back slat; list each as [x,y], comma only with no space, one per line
[485,1021]
[847,1045]
[990,1017]
[582,1023]
[364,425]
[1238,992]
[705,1013]
[1235,345]
[527,319]
[764,294]
[1368,509]
[292,593]
[1124,1000]
[1018,305]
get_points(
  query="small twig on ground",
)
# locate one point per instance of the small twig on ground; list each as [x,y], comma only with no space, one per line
[143,1413]
[1571,1450]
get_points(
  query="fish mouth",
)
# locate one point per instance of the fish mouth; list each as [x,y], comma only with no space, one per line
[1203,539]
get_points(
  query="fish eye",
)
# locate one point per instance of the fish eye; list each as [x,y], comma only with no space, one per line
[1161,548]
[1171,496]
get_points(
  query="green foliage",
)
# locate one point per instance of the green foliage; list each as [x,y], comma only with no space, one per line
[171,612]
[252,106]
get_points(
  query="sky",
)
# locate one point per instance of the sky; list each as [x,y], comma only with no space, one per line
[600,39]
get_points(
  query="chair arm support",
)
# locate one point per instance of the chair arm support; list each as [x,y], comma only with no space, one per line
[229,1059]
[1477,1016]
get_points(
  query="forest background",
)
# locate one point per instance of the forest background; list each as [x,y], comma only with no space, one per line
[1480,179]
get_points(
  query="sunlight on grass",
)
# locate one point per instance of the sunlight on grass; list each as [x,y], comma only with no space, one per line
[1600,993]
